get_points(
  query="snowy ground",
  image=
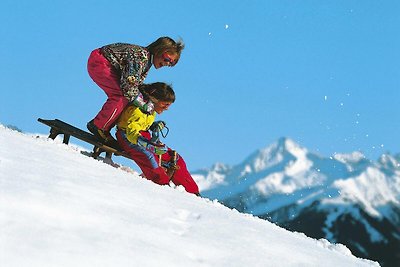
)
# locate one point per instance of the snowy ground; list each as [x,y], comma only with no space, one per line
[61,208]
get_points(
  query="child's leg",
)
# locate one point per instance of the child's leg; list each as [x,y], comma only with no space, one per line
[144,159]
[105,76]
[183,177]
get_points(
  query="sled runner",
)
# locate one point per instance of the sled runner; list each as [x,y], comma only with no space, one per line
[59,127]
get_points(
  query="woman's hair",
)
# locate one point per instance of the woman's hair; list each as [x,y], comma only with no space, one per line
[158,91]
[166,44]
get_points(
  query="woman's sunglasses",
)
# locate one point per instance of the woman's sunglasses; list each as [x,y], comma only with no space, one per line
[167,59]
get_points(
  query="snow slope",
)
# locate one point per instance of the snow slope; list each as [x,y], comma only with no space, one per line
[61,208]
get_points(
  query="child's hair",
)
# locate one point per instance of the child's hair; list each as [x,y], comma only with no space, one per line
[158,91]
[166,44]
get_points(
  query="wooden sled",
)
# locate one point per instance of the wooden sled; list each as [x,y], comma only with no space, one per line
[59,127]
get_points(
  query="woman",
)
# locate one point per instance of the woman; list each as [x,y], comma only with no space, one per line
[119,69]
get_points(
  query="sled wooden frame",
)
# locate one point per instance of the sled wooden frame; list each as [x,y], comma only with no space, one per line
[59,127]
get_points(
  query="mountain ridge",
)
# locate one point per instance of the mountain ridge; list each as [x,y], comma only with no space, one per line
[285,183]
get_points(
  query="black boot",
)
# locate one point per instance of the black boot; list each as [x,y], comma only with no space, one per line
[101,135]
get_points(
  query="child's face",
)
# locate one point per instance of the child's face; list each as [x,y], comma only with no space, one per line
[161,106]
[164,59]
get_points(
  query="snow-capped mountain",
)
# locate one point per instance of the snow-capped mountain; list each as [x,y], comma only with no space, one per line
[345,198]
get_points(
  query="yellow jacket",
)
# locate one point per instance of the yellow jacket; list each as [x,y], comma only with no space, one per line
[133,120]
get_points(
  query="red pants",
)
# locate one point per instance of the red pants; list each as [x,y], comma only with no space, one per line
[105,76]
[148,163]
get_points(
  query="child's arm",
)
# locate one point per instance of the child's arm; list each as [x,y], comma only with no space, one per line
[133,75]
[137,122]
[145,106]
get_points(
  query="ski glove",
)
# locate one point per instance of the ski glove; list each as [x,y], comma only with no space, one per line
[156,128]
[145,106]
[155,148]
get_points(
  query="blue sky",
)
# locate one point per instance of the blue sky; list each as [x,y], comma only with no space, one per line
[324,73]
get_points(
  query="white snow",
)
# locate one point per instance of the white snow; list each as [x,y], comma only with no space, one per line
[213,178]
[61,208]
[298,172]
[370,189]
[353,157]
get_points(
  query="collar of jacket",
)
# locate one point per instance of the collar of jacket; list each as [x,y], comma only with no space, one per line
[150,63]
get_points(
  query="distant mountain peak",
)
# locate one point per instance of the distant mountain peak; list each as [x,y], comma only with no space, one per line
[284,148]
[287,145]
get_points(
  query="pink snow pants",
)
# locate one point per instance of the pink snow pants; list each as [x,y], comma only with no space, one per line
[105,76]
[148,163]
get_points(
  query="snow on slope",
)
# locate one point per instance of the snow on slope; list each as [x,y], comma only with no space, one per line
[61,208]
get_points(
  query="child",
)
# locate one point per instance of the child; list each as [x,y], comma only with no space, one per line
[134,138]
[119,69]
